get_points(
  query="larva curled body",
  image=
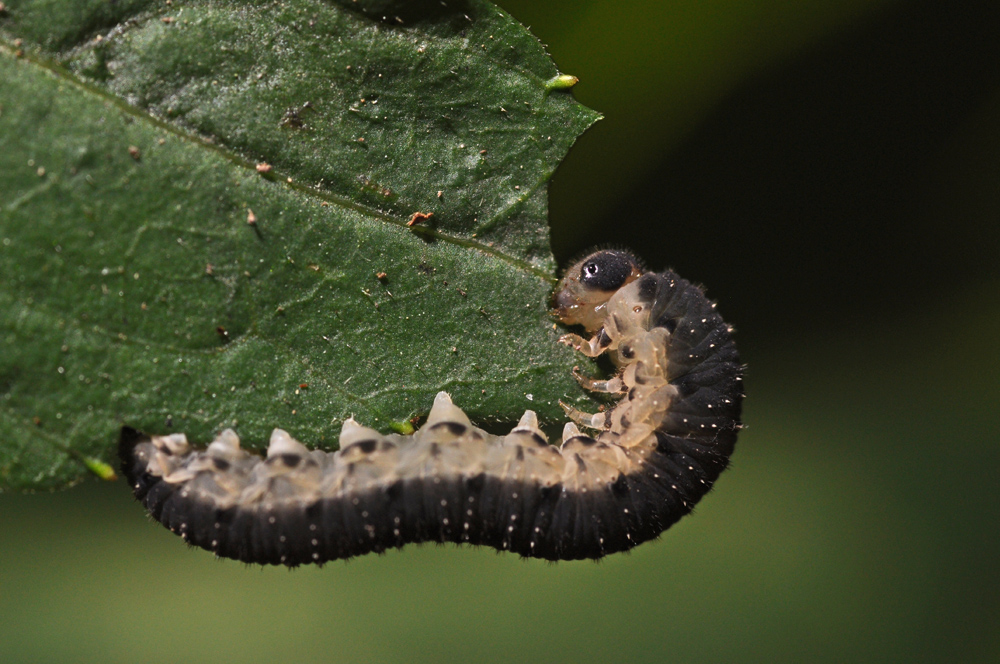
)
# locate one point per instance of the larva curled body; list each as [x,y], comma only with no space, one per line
[655,454]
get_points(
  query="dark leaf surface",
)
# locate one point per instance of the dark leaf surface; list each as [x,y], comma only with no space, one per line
[139,138]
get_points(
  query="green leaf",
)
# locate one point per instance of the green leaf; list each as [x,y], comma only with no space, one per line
[133,143]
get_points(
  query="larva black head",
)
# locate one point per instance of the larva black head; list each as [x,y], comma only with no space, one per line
[606,270]
[589,284]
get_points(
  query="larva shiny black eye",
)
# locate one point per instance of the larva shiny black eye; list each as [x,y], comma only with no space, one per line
[607,270]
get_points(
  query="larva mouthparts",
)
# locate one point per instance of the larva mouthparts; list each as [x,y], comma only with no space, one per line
[653,456]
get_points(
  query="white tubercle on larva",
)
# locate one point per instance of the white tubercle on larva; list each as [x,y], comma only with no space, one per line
[444,410]
[570,431]
[176,444]
[352,432]
[529,424]
[225,445]
[282,443]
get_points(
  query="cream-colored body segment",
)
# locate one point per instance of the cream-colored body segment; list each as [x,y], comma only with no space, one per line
[432,452]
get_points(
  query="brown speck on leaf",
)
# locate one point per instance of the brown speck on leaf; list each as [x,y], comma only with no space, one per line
[143,306]
[361,139]
[263,167]
[167,19]
[161,141]
[461,292]
[222,332]
[3,9]
[482,152]
[303,386]
[18,42]
[382,276]
[251,217]
[209,269]
[314,267]
[133,152]
[291,119]
[40,172]
[37,420]
[19,53]
[440,194]
[419,217]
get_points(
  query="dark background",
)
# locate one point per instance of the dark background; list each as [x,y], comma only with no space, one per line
[832,173]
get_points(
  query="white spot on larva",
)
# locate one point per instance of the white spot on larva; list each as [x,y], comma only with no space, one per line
[282,538]
[444,522]
[466,525]
[271,519]
[312,527]
[513,517]
[510,529]
[354,501]
[444,503]
[364,514]
[315,542]
[215,542]
[626,510]
[469,512]
[395,531]
[315,556]
[395,520]
[514,495]
[218,525]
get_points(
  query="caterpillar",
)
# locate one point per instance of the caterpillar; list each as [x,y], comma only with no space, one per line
[653,455]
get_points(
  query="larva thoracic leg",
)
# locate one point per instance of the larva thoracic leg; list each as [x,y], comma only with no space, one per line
[612,386]
[657,451]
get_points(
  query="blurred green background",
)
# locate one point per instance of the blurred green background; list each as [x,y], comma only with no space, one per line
[831,170]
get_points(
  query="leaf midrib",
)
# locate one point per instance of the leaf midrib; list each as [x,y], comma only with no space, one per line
[275,176]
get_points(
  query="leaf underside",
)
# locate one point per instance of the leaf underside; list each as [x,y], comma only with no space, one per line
[133,143]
